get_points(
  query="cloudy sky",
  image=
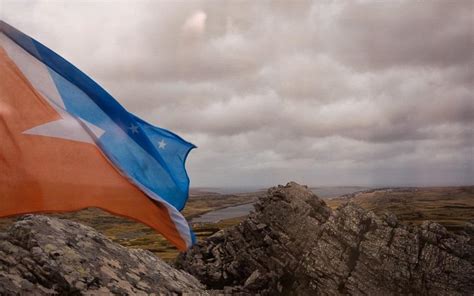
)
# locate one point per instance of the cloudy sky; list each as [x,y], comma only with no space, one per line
[320,92]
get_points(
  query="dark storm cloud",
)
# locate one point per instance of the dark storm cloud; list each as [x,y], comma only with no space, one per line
[323,92]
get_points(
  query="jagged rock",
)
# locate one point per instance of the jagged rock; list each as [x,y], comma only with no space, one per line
[293,244]
[46,256]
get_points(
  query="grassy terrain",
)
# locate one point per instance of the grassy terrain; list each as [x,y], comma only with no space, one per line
[132,234]
[449,206]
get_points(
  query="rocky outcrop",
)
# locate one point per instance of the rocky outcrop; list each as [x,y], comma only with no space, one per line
[293,244]
[47,256]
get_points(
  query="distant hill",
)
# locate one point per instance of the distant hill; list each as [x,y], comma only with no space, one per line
[335,191]
[449,206]
[225,190]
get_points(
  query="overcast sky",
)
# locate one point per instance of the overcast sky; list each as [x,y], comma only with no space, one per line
[320,92]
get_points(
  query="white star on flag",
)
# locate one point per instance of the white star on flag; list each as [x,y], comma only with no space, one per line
[134,129]
[162,144]
[67,127]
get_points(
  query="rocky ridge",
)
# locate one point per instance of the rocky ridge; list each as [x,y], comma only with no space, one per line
[293,244]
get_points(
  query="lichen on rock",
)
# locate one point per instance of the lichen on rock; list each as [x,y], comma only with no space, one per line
[41,255]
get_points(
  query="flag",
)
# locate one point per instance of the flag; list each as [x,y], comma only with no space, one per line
[66,144]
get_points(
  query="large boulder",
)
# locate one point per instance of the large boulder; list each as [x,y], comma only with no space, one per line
[293,244]
[46,256]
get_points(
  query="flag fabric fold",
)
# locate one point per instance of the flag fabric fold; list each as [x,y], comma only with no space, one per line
[67,144]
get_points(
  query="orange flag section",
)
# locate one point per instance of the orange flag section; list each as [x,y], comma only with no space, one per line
[47,174]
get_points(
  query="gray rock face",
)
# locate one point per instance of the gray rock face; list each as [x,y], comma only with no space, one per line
[295,245]
[46,256]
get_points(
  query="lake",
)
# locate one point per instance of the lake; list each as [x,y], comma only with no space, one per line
[225,213]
